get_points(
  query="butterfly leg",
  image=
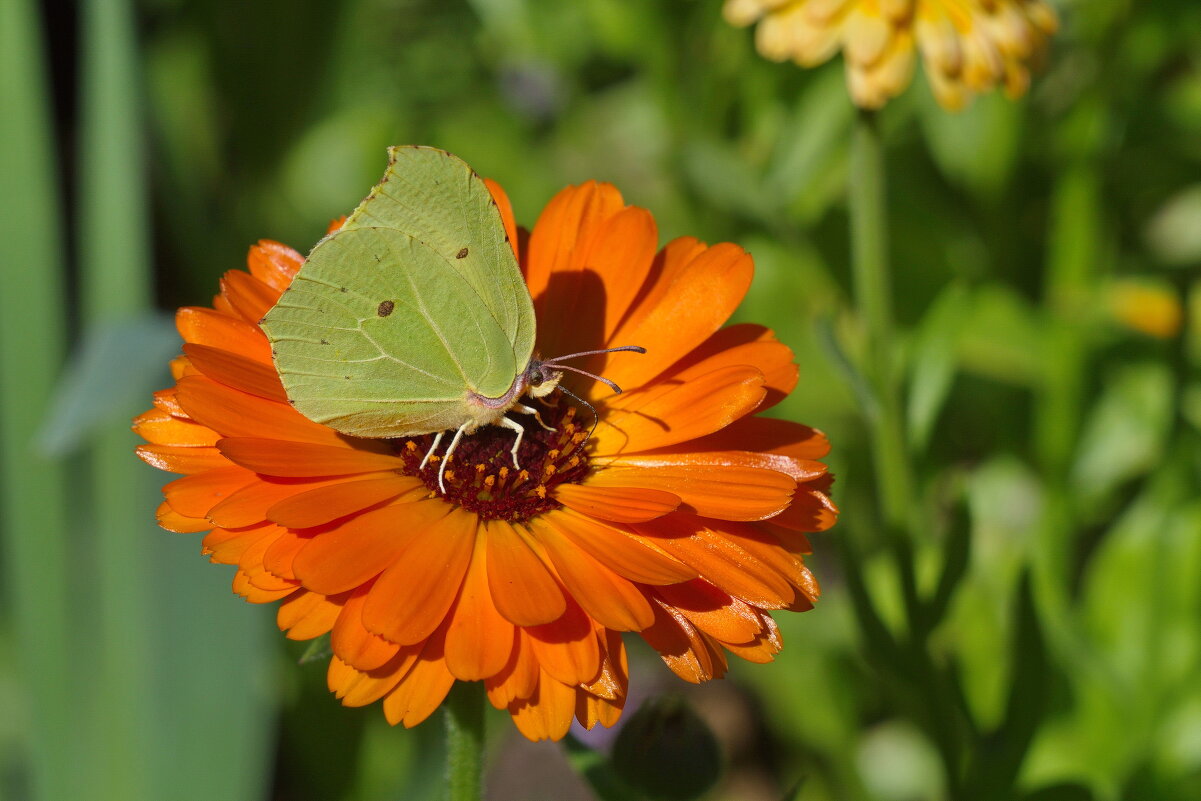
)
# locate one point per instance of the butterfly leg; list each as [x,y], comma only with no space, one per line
[433,449]
[520,407]
[454,443]
[513,425]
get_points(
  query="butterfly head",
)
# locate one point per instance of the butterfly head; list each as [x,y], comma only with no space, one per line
[541,378]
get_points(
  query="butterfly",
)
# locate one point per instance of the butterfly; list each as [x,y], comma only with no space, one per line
[413,317]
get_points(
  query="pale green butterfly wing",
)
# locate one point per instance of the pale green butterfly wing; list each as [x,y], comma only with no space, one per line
[416,302]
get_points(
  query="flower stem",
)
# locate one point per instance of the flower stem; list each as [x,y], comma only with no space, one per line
[873,296]
[465,741]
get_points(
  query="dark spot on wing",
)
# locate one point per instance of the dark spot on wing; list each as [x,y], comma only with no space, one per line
[385,308]
[341,289]
[346,377]
[462,254]
[325,342]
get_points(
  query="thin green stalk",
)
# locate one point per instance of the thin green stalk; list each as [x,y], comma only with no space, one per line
[465,741]
[930,700]
[1074,261]
[33,490]
[873,296]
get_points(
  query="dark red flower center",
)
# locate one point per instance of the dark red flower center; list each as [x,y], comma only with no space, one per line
[480,476]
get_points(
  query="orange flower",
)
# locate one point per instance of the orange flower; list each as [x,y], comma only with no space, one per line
[682,518]
[967,46]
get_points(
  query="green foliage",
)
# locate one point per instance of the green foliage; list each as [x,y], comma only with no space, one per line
[1031,633]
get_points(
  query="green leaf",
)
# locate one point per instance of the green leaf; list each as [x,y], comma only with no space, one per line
[933,360]
[1124,434]
[977,147]
[35,544]
[317,650]
[109,378]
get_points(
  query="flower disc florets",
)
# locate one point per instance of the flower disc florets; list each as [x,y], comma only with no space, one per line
[482,479]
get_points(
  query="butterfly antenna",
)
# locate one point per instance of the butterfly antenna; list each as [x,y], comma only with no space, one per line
[591,408]
[593,376]
[632,348]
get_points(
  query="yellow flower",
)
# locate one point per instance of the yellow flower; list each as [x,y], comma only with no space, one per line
[967,46]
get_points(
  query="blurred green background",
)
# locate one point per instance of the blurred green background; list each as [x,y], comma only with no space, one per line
[1040,638]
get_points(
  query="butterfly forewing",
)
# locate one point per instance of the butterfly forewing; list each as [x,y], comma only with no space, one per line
[414,303]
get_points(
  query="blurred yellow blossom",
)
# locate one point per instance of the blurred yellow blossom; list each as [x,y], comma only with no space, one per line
[1150,309]
[967,46]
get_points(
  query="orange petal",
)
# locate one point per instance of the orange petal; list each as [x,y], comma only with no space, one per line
[665,414]
[602,700]
[766,548]
[746,343]
[302,459]
[590,292]
[172,520]
[519,679]
[547,714]
[682,647]
[251,558]
[726,492]
[160,428]
[569,216]
[273,264]
[590,710]
[243,585]
[279,557]
[165,400]
[237,414]
[479,640]
[226,547]
[759,651]
[621,504]
[719,560]
[422,689]
[353,643]
[193,496]
[412,597]
[175,459]
[676,460]
[361,548]
[249,505]
[686,304]
[250,297]
[322,505]
[237,371]
[607,597]
[626,555]
[765,436]
[207,327]
[567,648]
[359,688]
[712,611]
[305,615]
[811,510]
[522,589]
